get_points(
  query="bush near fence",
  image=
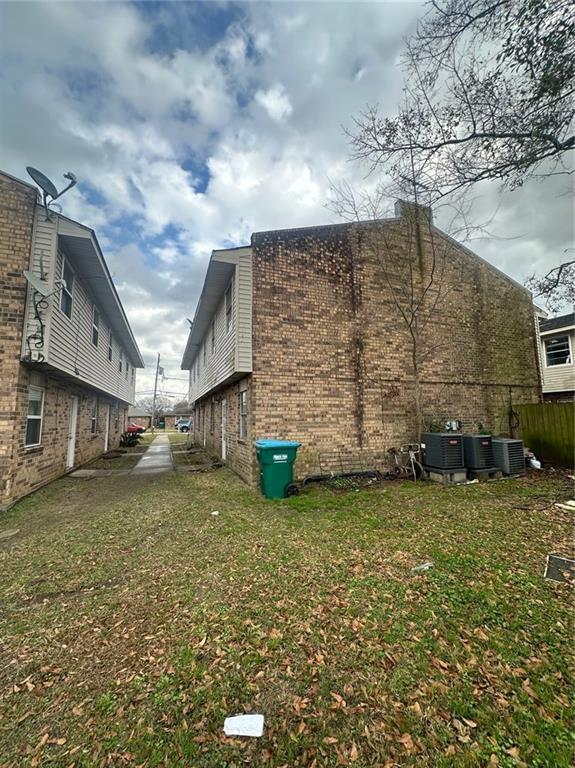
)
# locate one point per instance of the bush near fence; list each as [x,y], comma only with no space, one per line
[548,429]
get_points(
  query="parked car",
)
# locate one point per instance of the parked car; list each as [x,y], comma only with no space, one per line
[134,429]
[184,426]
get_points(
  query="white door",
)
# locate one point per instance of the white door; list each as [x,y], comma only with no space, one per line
[72,432]
[107,429]
[224,429]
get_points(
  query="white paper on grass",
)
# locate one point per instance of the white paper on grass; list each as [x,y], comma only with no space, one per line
[244,725]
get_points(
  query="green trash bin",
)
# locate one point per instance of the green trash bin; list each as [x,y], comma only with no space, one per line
[276,458]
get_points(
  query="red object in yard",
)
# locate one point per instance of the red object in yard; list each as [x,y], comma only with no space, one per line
[134,428]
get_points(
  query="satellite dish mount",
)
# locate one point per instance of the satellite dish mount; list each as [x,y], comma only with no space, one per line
[48,188]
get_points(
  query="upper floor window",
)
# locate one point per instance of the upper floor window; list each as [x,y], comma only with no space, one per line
[110,347]
[558,350]
[204,352]
[95,326]
[229,304]
[213,335]
[120,361]
[67,288]
[34,416]
[127,367]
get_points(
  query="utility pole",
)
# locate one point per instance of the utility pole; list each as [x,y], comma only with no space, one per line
[155,391]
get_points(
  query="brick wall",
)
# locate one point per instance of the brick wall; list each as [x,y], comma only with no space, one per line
[17,203]
[33,467]
[332,362]
[208,433]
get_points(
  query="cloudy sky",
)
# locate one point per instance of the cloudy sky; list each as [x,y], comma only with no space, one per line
[191,125]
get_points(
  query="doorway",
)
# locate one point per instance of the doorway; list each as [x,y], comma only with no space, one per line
[72,424]
[224,429]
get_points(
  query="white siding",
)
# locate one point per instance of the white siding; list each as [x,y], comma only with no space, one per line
[233,348]
[68,341]
[558,378]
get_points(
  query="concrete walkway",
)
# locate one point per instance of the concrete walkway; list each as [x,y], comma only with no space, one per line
[158,458]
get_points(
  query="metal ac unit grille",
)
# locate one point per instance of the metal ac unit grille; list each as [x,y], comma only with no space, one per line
[478,451]
[509,456]
[443,450]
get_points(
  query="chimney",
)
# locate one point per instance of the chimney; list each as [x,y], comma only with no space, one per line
[405,209]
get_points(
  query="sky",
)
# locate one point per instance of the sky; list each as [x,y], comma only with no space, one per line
[192,125]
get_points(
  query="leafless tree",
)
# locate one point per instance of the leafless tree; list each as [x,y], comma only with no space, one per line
[489,96]
[418,275]
[556,289]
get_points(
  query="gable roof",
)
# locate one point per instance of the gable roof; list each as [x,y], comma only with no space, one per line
[555,323]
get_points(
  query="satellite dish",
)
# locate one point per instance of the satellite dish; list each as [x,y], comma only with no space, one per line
[42,181]
[48,189]
[38,285]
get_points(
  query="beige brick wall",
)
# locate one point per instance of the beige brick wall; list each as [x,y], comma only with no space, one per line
[331,358]
[33,467]
[239,451]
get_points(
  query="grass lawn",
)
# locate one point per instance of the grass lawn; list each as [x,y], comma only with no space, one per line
[133,621]
[125,461]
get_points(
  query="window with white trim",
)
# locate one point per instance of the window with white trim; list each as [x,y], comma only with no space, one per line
[229,305]
[95,326]
[110,346]
[67,288]
[94,416]
[243,414]
[34,416]
[558,350]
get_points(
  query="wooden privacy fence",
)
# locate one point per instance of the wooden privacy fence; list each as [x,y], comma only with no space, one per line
[548,429]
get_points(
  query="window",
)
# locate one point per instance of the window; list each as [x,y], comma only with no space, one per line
[213,335]
[120,362]
[110,347]
[67,288]
[95,326]
[34,416]
[94,418]
[558,350]
[204,353]
[243,415]
[229,306]
[127,367]
[212,417]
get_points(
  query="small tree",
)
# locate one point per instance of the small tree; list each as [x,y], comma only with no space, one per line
[418,277]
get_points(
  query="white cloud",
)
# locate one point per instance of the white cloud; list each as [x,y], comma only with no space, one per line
[276,102]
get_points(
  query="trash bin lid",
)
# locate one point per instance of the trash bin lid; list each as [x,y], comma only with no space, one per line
[277,444]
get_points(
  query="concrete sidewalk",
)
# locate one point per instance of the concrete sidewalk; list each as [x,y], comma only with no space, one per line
[158,458]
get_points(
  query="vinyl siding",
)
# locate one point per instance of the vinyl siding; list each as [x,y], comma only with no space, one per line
[558,378]
[233,348]
[68,341]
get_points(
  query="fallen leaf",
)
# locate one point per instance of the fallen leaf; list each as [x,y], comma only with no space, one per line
[407,741]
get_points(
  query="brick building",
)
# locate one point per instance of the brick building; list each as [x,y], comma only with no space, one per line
[346,337]
[67,353]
